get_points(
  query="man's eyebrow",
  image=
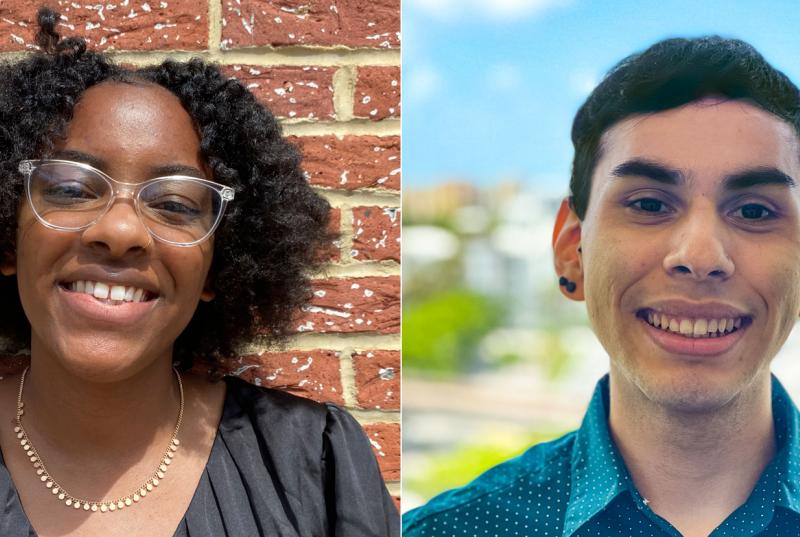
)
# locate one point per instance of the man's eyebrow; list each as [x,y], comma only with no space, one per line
[756,177]
[650,170]
[763,175]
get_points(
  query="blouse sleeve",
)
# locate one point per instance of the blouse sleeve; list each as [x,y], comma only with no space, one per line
[358,502]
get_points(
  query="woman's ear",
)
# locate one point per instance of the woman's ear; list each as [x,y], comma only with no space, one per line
[8,263]
[567,255]
[208,293]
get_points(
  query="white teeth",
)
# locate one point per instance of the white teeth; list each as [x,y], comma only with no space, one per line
[700,328]
[104,291]
[117,292]
[686,327]
[696,328]
[100,290]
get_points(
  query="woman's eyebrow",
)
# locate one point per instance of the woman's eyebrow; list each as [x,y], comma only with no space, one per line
[176,169]
[79,156]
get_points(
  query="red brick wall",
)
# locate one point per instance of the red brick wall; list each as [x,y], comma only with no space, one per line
[330,70]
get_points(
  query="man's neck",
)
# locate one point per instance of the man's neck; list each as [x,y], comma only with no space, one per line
[694,468]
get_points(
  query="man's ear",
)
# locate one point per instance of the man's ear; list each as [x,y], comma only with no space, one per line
[566,250]
[208,293]
[8,263]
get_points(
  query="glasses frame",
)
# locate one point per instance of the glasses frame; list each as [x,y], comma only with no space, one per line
[125,190]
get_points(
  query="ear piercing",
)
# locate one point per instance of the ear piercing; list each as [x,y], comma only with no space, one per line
[570,286]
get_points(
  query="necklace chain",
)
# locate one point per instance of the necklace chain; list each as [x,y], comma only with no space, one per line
[102,506]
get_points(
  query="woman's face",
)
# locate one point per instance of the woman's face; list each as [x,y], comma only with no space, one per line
[133,133]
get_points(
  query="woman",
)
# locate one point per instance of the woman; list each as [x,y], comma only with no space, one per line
[148,218]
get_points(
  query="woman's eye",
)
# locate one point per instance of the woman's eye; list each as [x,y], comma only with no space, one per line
[649,205]
[753,211]
[68,192]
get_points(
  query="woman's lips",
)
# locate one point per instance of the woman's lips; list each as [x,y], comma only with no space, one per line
[105,311]
[676,343]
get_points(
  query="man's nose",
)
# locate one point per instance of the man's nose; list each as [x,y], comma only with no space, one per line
[699,247]
[119,232]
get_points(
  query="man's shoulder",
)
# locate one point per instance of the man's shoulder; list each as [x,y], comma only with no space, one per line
[545,466]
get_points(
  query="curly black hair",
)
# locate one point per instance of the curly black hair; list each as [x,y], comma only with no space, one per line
[272,234]
[669,74]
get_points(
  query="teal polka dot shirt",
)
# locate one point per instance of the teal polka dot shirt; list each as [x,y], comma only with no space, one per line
[578,486]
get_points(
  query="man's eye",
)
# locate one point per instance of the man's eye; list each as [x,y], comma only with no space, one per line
[649,205]
[753,211]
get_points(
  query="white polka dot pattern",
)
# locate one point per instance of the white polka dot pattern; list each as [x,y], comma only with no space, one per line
[578,486]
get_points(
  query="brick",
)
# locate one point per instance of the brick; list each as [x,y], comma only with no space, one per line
[369,304]
[377,93]
[292,92]
[377,379]
[376,234]
[352,23]
[124,25]
[385,440]
[351,163]
[313,374]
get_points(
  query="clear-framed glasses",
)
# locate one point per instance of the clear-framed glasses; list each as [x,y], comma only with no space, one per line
[72,196]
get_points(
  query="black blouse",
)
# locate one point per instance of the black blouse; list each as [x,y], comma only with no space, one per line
[281,466]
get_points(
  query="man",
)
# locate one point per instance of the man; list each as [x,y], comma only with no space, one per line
[682,234]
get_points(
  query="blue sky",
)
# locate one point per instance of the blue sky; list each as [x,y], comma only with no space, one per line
[490,86]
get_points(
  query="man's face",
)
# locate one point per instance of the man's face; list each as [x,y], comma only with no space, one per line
[693,224]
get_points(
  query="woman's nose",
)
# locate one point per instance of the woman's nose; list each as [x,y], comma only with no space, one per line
[119,231]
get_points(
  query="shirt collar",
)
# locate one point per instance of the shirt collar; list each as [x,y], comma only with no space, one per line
[787,458]
[599,474]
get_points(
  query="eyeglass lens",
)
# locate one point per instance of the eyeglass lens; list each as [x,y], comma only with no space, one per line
[178,210]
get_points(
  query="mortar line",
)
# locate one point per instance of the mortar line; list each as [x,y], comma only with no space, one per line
[214,25]
[347,375]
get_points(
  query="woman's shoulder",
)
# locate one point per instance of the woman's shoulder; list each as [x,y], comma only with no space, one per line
[270,410]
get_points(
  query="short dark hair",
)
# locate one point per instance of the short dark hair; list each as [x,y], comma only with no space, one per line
[669,74]
[272,235]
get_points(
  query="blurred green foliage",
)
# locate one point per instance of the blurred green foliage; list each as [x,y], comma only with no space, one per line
[441,333]
[447,471]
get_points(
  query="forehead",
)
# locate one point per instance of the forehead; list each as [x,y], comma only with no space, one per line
[709,138]
[130,122]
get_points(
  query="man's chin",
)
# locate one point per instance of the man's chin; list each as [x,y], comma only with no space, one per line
[692,393]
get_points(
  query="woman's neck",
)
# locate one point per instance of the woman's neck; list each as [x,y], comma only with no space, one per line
[91,415]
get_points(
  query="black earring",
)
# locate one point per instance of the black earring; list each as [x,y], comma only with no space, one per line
[570,286]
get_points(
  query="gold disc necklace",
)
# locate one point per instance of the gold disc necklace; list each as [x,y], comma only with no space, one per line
[102,506]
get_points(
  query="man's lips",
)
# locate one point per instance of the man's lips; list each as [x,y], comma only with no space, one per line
[694,337]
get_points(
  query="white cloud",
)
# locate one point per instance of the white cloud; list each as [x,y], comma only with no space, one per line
[505,77]
[582,82]
[499,10]
[422,82]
